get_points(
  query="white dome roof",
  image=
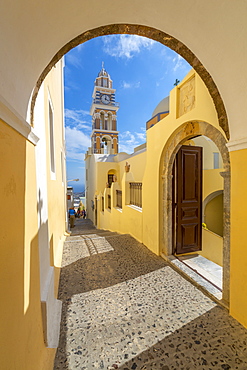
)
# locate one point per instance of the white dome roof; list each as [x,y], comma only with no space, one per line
[163,106]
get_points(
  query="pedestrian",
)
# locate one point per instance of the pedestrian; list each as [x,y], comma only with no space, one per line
[72,217]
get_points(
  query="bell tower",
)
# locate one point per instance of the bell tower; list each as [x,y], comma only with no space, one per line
[104,137]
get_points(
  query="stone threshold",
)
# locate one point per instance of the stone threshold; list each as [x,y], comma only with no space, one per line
[196,279]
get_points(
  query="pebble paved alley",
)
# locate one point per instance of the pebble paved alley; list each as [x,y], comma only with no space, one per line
[125,308]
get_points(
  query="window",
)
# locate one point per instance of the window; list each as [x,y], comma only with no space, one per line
[109,201]
[110,179]
[119,198]
[216,160]
[136,194]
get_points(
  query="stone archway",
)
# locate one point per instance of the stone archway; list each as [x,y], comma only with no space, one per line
[154,34]
[187,131]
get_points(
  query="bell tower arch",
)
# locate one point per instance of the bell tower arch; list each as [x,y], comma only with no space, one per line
[104,137]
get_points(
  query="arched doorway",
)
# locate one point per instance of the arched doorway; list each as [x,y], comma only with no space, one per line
[181,135]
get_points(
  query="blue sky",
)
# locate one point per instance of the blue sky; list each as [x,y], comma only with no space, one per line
[143,73]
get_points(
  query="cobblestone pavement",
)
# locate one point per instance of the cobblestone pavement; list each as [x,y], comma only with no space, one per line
[125,308]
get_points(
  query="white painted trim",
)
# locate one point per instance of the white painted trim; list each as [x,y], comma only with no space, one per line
[52,143]
[9,115]
[237,144]
[136,208]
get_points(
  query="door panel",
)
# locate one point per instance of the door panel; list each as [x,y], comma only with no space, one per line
[187,207]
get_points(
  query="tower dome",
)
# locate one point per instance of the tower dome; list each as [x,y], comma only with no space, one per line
[163,106]
[161,111]
[103,72]
[103,79]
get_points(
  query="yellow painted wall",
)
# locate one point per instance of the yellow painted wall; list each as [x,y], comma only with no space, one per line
[145,167]
[212,247]
[22,340]
[214,215]
[212,181]
[157,137]
[238,269]
[22,343]
[127,220]
[56,187]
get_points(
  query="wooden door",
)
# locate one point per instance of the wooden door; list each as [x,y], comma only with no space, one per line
[187,200]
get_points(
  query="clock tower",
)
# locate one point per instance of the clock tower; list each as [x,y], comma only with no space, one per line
[104,137]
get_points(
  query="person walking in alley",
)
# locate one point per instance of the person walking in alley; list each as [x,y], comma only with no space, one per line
[72,217]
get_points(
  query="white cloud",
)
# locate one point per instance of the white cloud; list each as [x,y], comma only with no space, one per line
[129,140]
[141,136]
[80,47]
[131,85]
[76,118]
[70,85]
[125,46]
[72,59]
[179,63]
[77,143]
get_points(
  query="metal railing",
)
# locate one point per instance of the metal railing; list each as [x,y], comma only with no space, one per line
[109,201]
[119,198]
[136,194]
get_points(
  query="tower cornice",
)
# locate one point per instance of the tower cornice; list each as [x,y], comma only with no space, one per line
[113,107]
[104,132]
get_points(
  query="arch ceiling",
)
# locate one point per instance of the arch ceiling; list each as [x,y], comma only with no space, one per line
[32,33]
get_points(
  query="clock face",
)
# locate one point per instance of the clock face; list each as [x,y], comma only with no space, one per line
[105,99]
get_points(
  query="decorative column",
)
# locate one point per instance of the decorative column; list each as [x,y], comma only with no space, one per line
[97,121]
[226,232]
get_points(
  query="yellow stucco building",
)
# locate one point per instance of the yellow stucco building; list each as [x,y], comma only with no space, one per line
[211,36]
[139,199]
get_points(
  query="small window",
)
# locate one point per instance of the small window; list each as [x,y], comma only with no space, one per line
[110,179]
[216,160]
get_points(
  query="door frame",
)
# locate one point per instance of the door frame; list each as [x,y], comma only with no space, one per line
[187,131]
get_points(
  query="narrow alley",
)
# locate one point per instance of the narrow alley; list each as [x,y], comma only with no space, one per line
[125,308]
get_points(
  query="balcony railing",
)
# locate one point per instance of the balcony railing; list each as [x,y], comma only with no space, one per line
[109,201]
[119,198]
[136,194]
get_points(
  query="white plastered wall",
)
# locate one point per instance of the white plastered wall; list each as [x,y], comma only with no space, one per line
[51,307]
